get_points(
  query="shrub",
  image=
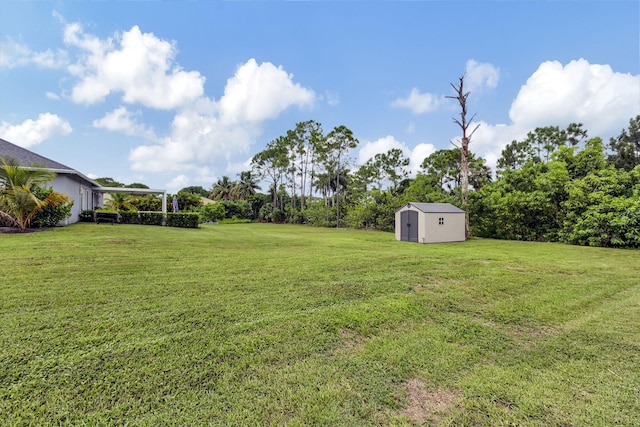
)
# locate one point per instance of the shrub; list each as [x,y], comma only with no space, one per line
[129,217]
[212,212]
[265,212]
[184,220]
[50,216]
[239,209]
[150,218]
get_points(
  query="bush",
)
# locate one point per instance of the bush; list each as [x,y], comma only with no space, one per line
[278,216]
[238,209]
[184,220]
[265,212]
[212,212]
[50,216]
[150,218]
[321,215]
[129,217]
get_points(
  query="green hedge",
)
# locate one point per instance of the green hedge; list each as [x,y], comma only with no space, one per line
[150,218]
[184,220]
[129,217]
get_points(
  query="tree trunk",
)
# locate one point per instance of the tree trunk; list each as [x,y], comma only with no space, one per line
[464,165]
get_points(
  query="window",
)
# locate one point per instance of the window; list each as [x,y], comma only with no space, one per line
[441,221]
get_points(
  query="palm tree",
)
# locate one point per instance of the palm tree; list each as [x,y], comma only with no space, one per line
[120,202]
[222,189]
[246,187]
[18,201]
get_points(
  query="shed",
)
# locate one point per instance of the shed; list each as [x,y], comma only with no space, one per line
[430,223]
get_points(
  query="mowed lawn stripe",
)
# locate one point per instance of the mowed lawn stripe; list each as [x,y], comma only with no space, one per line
[262,324]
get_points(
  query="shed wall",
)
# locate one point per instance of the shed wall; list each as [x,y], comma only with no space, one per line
[451,229]
[430,230]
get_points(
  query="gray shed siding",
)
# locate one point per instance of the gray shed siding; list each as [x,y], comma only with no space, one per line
[436,222]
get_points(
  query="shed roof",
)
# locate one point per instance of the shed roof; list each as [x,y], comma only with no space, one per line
[435,207]
[26,158]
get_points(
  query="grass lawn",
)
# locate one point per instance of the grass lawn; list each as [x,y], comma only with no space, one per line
[258,324]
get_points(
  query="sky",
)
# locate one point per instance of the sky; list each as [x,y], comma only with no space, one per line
[174,94]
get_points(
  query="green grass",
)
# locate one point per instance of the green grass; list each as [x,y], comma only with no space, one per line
[256,324]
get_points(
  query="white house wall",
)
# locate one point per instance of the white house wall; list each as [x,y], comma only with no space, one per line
[82,196]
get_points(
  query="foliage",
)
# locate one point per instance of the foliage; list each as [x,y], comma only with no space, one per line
[120,202]
[239,209]
[22,195]
[148,203]
[200,191]
[261,324]
[187,202]
[183,220]
[625,148]
[129,217]
[319,214]
[604,209]
[108,182]
[222,189]
[444,167]
[212,212]
[376,211]
[246,187]
[54,213]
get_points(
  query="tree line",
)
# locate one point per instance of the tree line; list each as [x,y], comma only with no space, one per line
[553,185]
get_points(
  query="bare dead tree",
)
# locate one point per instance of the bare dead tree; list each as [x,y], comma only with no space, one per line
[464,123]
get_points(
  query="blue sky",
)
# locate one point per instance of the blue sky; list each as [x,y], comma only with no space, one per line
[174,93]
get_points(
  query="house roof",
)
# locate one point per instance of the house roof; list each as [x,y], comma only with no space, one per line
[26,158]
[435,207]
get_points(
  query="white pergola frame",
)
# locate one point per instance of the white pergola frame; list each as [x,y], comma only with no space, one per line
[133,191]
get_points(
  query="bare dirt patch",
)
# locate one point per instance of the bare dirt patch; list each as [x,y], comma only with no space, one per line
[427,405]
[15,230]
[351,341]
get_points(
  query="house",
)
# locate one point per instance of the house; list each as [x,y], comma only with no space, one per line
[430,223]
[85,193]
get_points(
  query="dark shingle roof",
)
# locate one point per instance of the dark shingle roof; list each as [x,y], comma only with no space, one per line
[436,207]
[27,158]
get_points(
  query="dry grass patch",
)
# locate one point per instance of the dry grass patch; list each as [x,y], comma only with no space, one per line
[427,405]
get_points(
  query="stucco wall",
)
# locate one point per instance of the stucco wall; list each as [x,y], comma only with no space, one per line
[81,195]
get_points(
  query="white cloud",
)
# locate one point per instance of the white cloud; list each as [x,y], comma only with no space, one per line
[178,182]
[258,92]
[479,75]
[592,94]
[212,133]
[16,54]
[138,65]
[123,121]
[32,132]
[416,155]
[418,102]
[556,95]
[370,148]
